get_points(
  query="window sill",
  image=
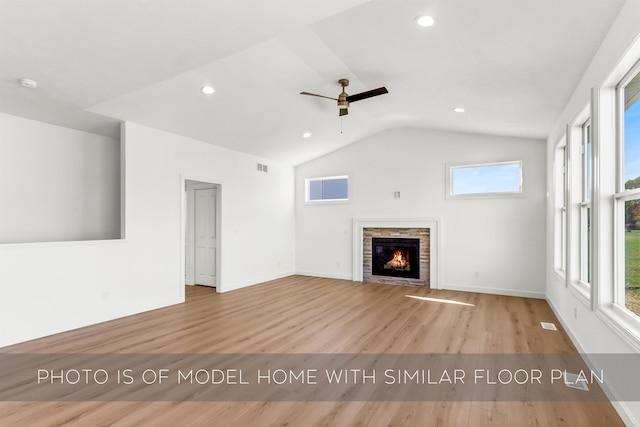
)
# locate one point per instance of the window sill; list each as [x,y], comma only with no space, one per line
[623,323]
[485,196]
[561,274]
[327,202]
[582,291]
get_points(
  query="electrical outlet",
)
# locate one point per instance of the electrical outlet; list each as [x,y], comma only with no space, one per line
[105,295]
[575,312]
[476,274]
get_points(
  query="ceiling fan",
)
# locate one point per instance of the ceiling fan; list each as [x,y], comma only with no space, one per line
[344,98]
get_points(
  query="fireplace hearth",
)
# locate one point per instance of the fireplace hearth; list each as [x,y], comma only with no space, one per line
[395,257]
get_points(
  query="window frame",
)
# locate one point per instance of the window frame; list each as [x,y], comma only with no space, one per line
[621,196]
[586,212]
[560,204]
[607,226]
[307,182]
[450,167]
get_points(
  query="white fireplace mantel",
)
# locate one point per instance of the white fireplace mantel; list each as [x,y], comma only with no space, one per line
[433,224]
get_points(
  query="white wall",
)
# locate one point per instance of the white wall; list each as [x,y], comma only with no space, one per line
[52,287]
[57,184]
[588,330]
[501,239]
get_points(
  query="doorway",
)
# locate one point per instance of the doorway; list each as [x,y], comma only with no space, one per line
[201,233]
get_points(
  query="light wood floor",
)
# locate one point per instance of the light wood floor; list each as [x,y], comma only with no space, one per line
[311,315]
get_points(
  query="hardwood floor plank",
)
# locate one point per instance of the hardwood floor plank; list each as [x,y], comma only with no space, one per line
[301,314]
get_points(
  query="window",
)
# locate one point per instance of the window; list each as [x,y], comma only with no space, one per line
[332,188]
[628,193]
[501,179]
[585,204]
[560,238]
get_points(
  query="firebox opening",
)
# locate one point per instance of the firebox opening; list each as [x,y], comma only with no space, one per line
[397,257]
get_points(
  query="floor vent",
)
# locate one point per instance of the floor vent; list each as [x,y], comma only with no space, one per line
[575,381]
[548,326]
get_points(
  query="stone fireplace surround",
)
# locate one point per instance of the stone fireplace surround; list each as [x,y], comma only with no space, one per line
[365,228]
[368,233]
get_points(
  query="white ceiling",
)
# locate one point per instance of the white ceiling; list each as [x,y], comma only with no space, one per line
[511,63]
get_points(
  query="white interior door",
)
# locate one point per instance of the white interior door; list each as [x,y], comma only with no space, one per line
[205,237]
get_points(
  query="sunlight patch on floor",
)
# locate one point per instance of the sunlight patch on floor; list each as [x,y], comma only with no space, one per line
[446,301]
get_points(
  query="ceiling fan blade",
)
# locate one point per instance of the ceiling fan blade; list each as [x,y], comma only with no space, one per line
[343,112]
[319,96]
[367,94]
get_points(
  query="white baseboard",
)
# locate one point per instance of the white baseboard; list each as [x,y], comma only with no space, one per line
[233,286]
[494,291]
[620,407]
[325,275]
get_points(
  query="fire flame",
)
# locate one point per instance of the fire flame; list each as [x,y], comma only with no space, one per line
[398,261]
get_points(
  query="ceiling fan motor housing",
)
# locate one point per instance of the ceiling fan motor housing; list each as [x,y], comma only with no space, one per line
[343,104]
[342,101]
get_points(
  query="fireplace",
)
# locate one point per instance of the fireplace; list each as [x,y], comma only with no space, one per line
[424,230]
[395,257]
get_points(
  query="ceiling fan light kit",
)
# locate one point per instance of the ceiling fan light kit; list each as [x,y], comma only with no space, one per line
[344,99]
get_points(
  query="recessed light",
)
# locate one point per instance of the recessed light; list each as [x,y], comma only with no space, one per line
[306,135]
[425,21]
[459,110]
[28,83]
[207,90]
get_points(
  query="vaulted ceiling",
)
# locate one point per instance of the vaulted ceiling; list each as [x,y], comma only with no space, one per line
[511,64]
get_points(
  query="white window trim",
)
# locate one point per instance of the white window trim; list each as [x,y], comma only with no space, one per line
[560,173]
[619,250]
[328,201]
[608,195]
[613,311]
[496,195]
[584,245]
[621,196]
[576,205]
[583,285]
[622,322]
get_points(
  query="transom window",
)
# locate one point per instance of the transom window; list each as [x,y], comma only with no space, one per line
[489,179]
[325,189]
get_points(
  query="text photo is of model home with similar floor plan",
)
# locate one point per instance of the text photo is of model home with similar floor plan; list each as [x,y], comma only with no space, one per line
[412,183]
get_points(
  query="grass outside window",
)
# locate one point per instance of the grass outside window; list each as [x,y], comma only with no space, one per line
[632,270]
